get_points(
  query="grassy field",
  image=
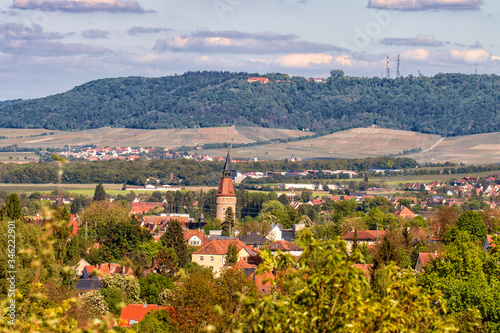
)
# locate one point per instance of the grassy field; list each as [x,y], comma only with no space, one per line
[85,189]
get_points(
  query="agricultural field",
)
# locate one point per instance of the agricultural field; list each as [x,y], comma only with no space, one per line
[18,157]
[353,143]
[119,137]
[373,142]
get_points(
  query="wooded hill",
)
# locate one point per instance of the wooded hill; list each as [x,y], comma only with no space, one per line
[446,104]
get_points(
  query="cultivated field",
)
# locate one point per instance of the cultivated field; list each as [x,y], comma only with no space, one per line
[353,143]
[373,142]
[470,149]
[116,137]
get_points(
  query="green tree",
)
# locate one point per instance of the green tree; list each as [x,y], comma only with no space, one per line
[228,224]
[157,321]
[469,280]
[232,253]
[174,238]
[310,300]
[472,223]
[167,262]
[99,193]
[13,207]
[152,285]
[354,241]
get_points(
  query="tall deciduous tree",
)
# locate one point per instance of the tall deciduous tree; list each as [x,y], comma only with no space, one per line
[174,238]
[472,223]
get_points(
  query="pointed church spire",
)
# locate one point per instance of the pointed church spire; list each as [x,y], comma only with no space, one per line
[227,165]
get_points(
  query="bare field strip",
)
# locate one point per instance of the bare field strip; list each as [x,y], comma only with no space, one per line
[116,137]
[353,143]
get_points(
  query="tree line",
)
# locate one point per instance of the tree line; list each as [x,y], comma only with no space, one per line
[185,172]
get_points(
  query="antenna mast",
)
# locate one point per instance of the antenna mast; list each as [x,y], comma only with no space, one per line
[475,67]
[388,70]
[398,70]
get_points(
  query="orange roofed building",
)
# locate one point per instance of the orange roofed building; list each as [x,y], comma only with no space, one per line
[258,79]
[405,213]
[423,259]
[195,237]
[134,313]
[213,255]
[106,269]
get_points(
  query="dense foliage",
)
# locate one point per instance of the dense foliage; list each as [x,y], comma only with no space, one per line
[446,104]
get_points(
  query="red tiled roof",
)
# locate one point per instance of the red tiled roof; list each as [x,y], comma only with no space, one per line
[367,235]
[219,246]
[264,281]
[109,269]
[136,312]
[425,258]
[188,234]
[404,212]
[242,264]
[283,245]
[365,268]
[226,188]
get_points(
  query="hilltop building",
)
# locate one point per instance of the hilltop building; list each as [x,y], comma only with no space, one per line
[225,197]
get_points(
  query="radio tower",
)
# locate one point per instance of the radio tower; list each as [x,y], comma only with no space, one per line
[388,70]
[475,67]
[398,70]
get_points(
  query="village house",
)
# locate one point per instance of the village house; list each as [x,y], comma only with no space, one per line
[213,254]
[99,271]
[285,247]
[369,237]
[404,212]
[195,237]
[424,259]
[254,240]
[133,313]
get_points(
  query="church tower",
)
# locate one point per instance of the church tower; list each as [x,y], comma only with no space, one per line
[225,197]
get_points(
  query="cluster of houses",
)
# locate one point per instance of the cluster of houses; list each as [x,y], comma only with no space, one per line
[212,250]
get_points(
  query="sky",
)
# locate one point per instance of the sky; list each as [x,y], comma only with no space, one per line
[51,46]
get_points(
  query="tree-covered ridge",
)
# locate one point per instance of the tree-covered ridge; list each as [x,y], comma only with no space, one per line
[446,104]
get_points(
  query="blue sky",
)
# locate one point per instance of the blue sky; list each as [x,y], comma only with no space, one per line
[50,46]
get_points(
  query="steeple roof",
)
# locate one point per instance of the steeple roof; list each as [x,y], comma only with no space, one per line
[226,187]
[227,165]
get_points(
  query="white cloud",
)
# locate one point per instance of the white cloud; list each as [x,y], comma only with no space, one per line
[425,4]
[417,55]
[240,42]
[302,60]
[470,56]
[78,6]
[420,40]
